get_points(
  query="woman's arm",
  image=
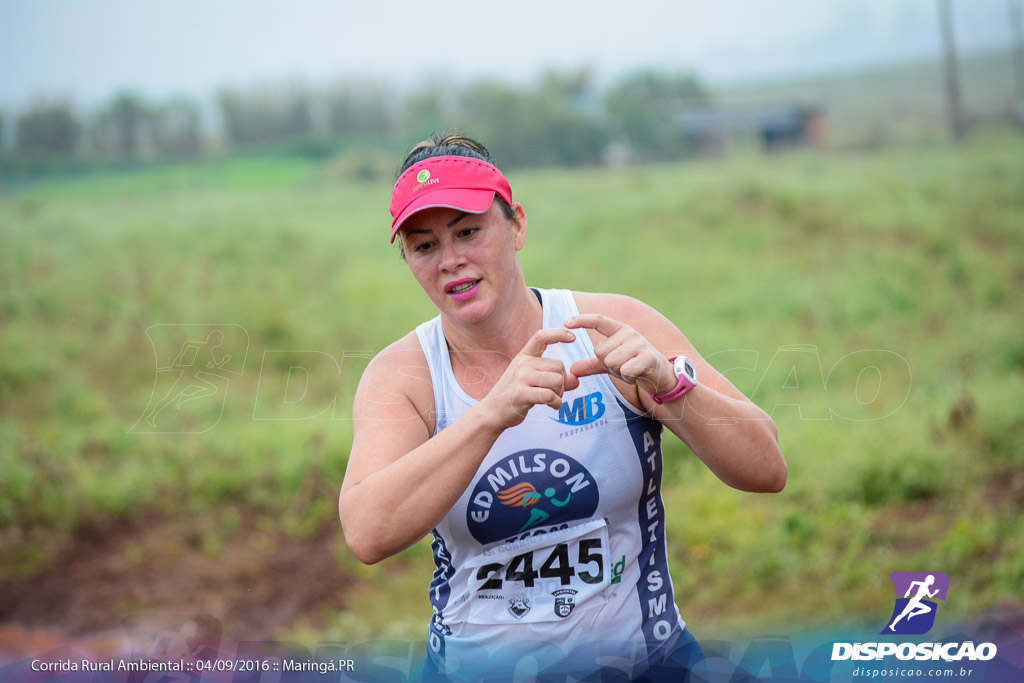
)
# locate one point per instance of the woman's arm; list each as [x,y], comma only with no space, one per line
[400,480]
[736,440]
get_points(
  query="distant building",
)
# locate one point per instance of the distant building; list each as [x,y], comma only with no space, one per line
[711,130]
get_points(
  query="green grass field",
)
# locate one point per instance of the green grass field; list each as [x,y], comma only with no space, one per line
[871,302]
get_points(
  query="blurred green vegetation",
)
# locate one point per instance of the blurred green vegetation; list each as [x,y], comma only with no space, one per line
[563,118]
[795,274]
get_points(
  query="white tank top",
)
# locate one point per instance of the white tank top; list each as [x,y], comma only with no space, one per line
[560,537]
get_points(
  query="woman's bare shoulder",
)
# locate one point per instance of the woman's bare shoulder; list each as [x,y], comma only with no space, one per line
[618,306]
[399,369]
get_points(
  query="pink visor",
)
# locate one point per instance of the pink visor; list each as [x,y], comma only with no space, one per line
[451,182]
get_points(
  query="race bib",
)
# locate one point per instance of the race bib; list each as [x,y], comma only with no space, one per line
[545,577]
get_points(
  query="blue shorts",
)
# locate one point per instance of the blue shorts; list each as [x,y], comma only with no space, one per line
[675,667]
[678,665]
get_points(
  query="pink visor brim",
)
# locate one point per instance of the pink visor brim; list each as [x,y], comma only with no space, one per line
[450,182]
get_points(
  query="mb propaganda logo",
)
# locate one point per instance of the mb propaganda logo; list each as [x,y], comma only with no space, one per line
[583,410]
[528,491]
[914,614]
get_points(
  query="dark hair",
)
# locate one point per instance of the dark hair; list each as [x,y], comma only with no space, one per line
[453,144]
[445,144]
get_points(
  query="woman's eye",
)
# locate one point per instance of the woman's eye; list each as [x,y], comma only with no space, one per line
[468,232]
[423,246]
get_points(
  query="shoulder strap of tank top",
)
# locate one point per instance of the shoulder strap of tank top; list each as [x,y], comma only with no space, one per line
[435,348]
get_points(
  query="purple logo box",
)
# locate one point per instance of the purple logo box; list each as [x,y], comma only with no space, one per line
[901,582]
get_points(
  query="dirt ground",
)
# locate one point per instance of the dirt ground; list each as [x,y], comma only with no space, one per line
[157,574]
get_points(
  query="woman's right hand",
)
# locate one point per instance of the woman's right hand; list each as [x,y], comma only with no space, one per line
[401,480]
[531,379]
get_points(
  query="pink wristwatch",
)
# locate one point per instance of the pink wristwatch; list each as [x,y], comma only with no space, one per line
[686,372]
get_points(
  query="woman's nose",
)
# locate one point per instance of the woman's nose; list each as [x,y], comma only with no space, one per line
[451,257]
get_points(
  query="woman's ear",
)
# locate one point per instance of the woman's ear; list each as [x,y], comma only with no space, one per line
[518,223]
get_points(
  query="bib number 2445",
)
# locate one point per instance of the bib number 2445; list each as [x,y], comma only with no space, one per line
[587,563]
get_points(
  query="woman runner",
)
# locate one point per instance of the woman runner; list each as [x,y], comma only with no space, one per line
[521,427]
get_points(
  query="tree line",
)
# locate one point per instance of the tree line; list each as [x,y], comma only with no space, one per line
[562,118]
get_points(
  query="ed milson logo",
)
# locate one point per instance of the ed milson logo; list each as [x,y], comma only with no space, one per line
[527,491]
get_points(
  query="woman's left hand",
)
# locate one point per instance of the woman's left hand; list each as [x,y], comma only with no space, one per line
[623,353]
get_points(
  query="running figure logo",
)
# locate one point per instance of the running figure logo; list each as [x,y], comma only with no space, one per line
[914,613]
[191,385]
[524,494]
[527,491]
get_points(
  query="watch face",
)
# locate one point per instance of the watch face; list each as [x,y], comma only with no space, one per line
[689,370]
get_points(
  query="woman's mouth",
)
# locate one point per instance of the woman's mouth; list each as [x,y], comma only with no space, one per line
[462,289]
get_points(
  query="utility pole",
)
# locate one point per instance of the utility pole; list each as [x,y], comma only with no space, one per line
[1018,51]
[956,115]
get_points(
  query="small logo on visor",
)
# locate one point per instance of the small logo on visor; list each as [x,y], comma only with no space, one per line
[423,176]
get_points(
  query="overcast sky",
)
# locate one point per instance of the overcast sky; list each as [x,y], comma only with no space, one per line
[87,49]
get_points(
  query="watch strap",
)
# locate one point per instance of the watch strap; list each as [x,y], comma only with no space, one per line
[683,385]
